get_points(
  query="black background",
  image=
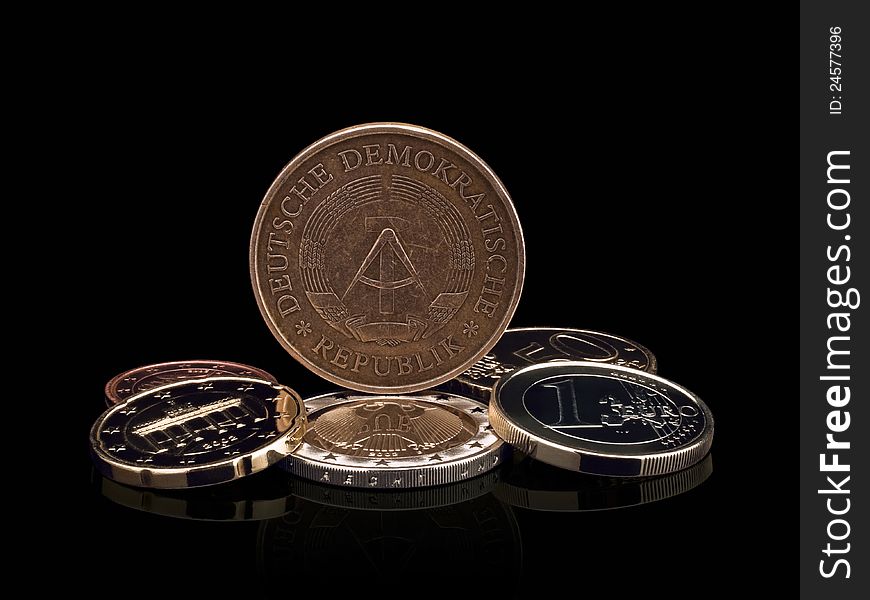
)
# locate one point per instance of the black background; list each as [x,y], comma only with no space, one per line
[650,208]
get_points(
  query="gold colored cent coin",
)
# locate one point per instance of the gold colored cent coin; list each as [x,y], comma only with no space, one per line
[387,258]
[198,432]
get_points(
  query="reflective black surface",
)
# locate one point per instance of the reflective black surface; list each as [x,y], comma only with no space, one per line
[466,534]
[362,551]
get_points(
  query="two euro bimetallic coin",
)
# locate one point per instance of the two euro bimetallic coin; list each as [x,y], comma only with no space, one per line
[396,442]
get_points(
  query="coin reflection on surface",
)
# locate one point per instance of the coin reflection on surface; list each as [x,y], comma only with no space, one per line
[265,495]
[375,548]
[537,486]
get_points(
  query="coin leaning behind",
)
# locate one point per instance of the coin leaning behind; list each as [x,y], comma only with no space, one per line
[387,258]
[601,419]
[395,441]
[198,432]
[141,379]
[523,346]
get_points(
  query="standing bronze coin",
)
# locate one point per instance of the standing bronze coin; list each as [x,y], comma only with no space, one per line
[387,258]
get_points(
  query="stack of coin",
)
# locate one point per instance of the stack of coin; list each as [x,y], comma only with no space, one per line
[194,432]
[389,260]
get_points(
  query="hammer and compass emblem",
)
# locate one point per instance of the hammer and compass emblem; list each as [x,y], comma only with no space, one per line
[387,248]
[387,267]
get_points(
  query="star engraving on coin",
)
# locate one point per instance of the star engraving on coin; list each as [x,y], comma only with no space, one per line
[217,429]
[601,419]
[469,328]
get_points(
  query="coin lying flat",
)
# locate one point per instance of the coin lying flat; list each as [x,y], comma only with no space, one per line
[198,432]
[535,485]
[395,441]
[387,258]
[601,419]
[135,381]
[524,346]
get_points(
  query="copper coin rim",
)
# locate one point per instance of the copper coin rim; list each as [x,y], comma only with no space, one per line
[112,384]
[433,136]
